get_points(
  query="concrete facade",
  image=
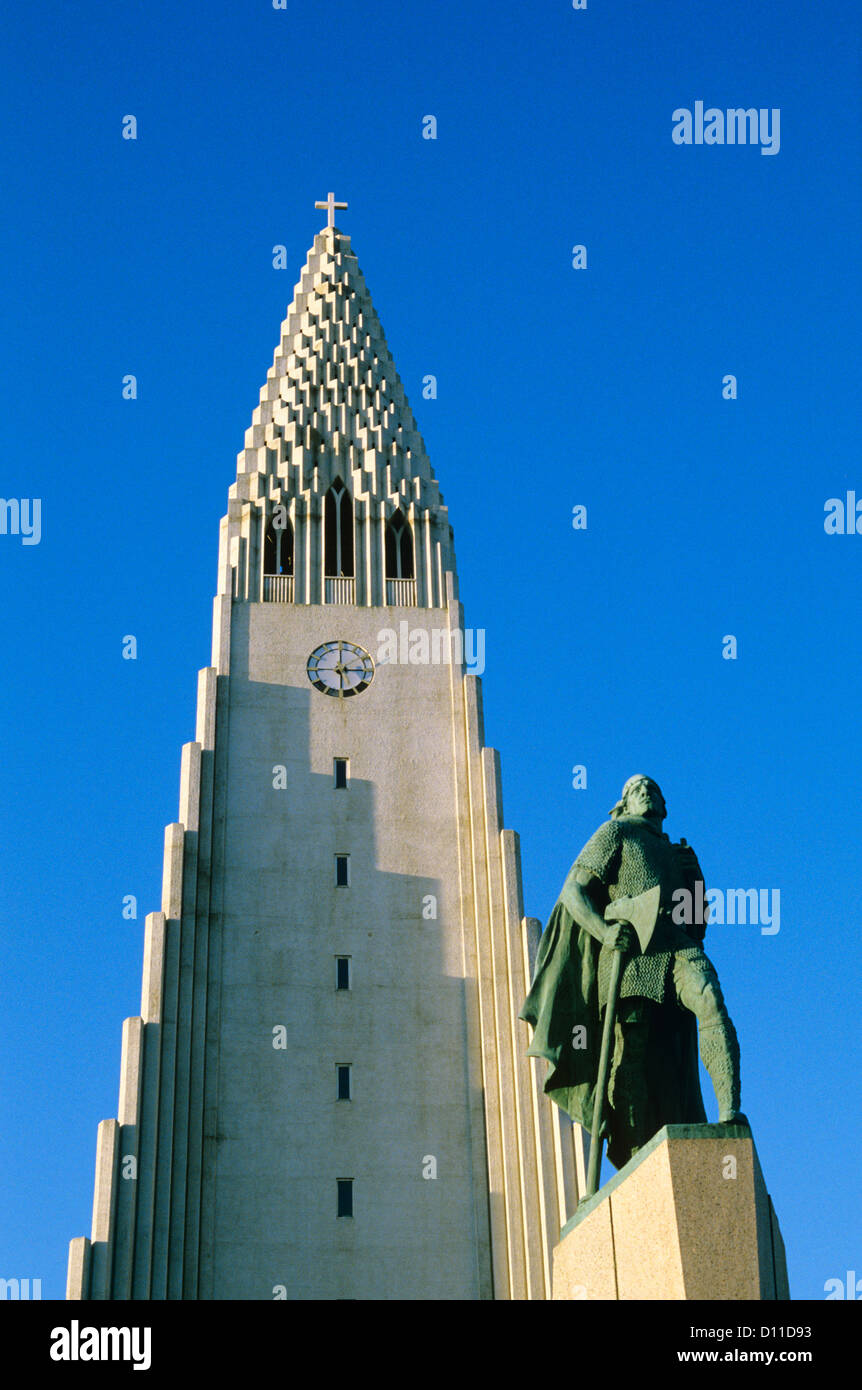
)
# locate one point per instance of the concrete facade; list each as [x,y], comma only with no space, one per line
[218,1179]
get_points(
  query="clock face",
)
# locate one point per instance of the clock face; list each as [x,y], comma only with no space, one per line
[340,668]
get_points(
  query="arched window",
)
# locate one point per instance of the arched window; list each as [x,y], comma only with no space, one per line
[399,548]
[278,544]
[338,532]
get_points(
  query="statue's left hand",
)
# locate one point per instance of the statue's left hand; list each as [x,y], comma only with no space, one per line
[688,860]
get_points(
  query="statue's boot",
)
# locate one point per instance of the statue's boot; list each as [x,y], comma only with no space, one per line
[719,1052]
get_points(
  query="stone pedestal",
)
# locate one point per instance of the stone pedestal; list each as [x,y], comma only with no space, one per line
[689,1217]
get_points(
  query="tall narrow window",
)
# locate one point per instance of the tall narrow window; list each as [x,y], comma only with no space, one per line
[339,767]
[278,544]
[338,532]
[342,870]
[342,1075]
[345,1197]
[399,548]
[342,972]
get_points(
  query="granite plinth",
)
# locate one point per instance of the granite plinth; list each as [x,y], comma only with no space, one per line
[689,1217]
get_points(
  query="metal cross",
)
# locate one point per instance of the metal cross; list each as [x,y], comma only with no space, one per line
[330,206]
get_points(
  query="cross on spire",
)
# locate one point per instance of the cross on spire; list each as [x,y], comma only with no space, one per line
[330,206]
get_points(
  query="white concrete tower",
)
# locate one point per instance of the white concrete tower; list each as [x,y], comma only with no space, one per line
[327,1095]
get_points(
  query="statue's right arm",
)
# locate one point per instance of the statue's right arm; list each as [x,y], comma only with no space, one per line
[581,893]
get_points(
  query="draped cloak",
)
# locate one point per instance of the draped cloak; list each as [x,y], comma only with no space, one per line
[627,855]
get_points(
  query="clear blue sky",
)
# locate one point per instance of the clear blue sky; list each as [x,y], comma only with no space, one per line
[556,387]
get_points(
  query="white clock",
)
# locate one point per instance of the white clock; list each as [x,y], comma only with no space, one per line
[340,668]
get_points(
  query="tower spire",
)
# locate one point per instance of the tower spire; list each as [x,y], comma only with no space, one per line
[333,411]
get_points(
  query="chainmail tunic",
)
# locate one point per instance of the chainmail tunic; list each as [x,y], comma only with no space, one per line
[629,856]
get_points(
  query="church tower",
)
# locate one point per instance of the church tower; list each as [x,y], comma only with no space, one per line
[326,1095]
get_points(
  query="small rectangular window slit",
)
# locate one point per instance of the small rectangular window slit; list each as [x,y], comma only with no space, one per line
[345,1197]
[342,972]
[340,770]
[342,1073]
[342,870]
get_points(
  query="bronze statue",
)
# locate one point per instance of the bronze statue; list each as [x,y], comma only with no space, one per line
[666,986]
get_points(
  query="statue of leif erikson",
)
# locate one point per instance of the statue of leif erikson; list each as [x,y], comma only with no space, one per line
[622,963]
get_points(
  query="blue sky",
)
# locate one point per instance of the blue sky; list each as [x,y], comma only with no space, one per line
[556,387]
